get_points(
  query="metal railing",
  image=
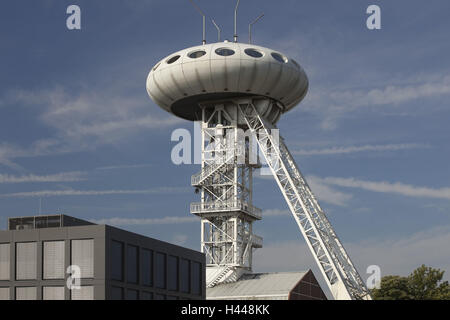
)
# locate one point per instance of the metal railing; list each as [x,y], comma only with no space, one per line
[197,178]
[223,206]
[257,241]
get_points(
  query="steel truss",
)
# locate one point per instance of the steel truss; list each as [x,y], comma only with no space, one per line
[226,209]
[337,268]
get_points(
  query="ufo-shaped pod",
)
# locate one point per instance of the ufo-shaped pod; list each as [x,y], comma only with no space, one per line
[225,71]
[197,70]
[255,66]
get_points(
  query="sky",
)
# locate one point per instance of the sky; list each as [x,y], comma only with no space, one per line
[79,134]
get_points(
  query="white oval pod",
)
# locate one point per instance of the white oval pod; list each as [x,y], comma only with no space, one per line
[225,71]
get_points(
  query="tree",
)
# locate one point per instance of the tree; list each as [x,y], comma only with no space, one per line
[392,288]
[424,283]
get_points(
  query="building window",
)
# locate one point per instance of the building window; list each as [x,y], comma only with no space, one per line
[132,264]
[172,278]
[197,54]
[117,260]
[173,59]
[160,272]
[172,298]
[53,293]
[4,294]
[84,293]
[185,279]
[225,52]
[279,57]
[26,293]
[5,261]
[26,254]
[147,267]
[253,53]
[83,256]
[117,293]
[146,296]
[196,278]
[132,294]
[160,297]
[54,260]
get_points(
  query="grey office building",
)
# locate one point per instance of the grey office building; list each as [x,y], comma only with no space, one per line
[35,253]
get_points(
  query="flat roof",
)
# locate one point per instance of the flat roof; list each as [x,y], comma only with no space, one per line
[45,221]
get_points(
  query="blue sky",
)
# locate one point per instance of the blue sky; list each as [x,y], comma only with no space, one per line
[78,130]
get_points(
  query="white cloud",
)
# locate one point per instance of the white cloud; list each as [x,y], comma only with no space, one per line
[388,187]
[398,256]
[180,239]
[84,121]
[393,95]
[131,166]
[104,118]
[403,255]
[63,193]
[334,103]
[41,147]
[275,213]
[356,149]
[58,177]
[327,194]
[324,192]
[146,221]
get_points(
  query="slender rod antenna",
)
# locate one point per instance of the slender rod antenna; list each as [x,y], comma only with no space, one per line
[204,20]
[250,28]
[218,29]
[235,21]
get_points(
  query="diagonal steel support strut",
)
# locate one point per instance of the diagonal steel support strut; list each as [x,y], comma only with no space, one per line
[341,276]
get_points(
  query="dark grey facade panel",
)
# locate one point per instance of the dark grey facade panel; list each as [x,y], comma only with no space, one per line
[132,261]
[103,253]
[156,262]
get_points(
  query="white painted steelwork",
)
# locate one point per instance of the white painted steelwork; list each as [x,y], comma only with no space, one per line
[228,87]
[341,276]
[184,79]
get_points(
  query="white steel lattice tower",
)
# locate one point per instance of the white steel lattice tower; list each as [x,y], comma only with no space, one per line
[226,207]
[237,92]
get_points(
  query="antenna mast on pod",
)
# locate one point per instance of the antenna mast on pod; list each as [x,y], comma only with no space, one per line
[218,29]
[235,21]
[250,28]
[204,21]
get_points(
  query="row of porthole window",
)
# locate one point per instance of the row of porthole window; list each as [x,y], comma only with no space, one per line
[225,52]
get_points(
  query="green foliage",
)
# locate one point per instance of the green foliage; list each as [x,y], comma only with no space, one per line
[392,288]
[424,283]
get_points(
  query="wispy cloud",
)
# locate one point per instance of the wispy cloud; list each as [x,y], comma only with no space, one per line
[358,149]
[146,221]
[31,178]
[180,239]
[334,103]
[327,194]
[131,166]
[65,193]
[395,256]
[393,94]
[323,191]
[92,117]
[41,147]
[388,187]
[83,121]
[275,213]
